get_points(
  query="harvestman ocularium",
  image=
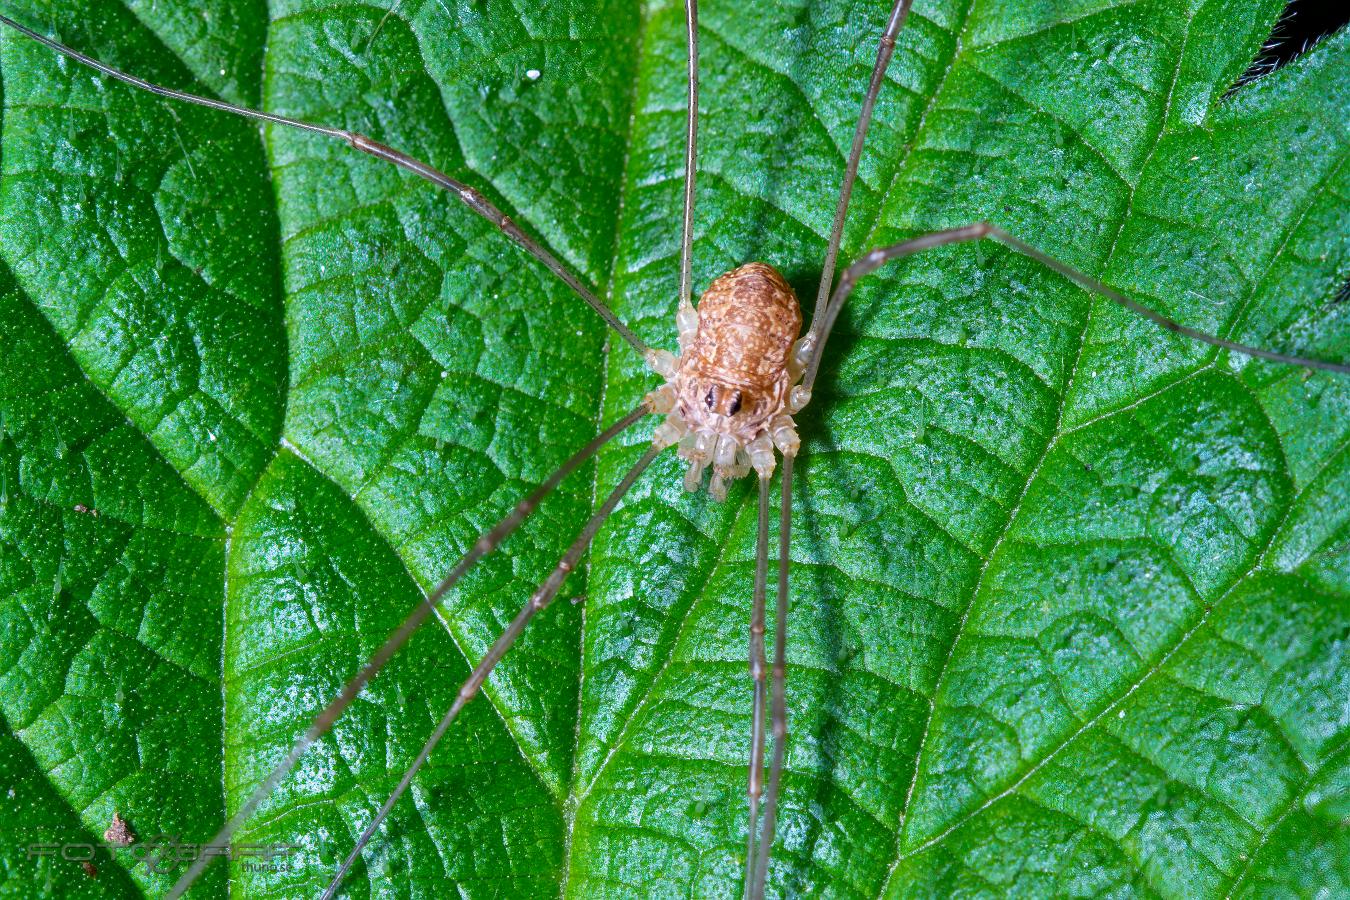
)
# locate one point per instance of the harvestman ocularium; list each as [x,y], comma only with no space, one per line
[729,397]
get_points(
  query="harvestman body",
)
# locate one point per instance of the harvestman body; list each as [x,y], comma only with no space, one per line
[731,391]
[741,374]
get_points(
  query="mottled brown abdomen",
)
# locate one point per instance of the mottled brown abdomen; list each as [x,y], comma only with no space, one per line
[734,377]
[747,321]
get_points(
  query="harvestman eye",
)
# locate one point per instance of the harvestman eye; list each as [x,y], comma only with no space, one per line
[790,367]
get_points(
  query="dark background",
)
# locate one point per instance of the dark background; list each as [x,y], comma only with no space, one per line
[1303,23]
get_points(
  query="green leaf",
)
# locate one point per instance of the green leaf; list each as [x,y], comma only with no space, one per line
[1071,594]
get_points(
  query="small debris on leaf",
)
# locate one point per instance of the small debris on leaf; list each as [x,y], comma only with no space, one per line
[89,868]
[119,833]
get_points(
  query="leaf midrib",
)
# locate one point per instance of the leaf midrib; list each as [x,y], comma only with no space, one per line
[571,803]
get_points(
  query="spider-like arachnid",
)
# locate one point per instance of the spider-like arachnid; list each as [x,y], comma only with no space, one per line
[727,402]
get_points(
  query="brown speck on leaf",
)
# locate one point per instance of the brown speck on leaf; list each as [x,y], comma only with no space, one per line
[81,508]
[119,833]
[89,869]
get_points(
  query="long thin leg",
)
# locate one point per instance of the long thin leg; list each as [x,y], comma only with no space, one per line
[470,197]
[875,259]
[884,53]
[780,728]
[758,675]
[389,14]
[541,598]
[690,158]
[339,704]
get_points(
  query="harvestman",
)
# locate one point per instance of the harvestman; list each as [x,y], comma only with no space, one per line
[728,401]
